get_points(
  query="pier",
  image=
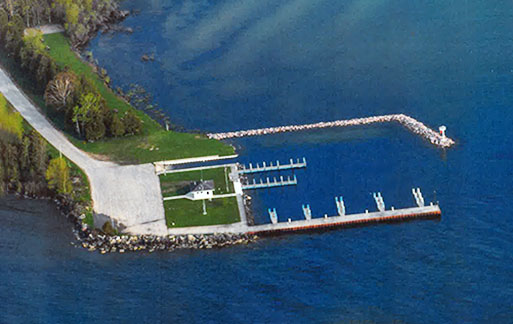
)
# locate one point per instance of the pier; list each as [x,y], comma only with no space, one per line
[311,223]
[431,211]
[343,220]
[272,167]
[436,138]
[281,182]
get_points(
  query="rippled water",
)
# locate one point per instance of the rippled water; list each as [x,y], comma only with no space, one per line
[230,65]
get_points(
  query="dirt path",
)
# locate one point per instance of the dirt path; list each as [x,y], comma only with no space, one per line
[130,195]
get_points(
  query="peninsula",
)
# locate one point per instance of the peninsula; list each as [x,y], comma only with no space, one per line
[135,167]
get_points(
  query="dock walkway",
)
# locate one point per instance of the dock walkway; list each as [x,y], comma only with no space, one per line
[281,182]
[431,211]
[272,167]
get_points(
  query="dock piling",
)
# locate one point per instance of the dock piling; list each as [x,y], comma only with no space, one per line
[307,212]
[341,208]
[379,201]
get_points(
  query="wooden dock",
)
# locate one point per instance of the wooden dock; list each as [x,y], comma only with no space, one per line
[431,211]
[273,167]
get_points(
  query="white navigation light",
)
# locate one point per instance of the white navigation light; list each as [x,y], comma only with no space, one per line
[442,130]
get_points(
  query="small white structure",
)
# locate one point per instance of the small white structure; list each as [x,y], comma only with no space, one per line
[442,130]
[202,190]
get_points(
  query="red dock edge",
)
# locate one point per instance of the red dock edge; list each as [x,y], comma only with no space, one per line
[352,223]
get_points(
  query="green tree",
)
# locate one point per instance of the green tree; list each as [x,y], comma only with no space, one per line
[133,124]
[58,176]
[33,39]
[83,112]
[38,154]
[13,37]
[94,128]
[11,122]
[117,128]
[43,71]
[4,24]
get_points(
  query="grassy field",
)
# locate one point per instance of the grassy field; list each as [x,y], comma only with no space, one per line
[171,184]
[184,212]
[155,144]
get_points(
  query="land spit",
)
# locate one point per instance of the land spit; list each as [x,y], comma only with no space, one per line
[410,123]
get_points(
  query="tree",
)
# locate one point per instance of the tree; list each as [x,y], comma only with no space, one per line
[117,128]
[87,107]
[13,37]
[44,72]
[4,22]
[133,124]
[60,91]
[58,176]
[94,128]
[38,153]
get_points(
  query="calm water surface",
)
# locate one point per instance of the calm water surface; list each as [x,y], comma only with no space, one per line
[228,65]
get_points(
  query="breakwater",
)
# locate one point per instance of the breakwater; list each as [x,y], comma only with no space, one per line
[150,243]
[410,123]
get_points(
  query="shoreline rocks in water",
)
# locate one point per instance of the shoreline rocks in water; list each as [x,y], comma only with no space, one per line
[94,240]
[104,24]
[148,57]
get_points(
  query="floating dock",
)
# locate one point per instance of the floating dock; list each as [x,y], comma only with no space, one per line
[272,167]
[431,211]
[281,182]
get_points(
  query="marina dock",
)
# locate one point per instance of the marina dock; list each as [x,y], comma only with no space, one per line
[272,167]
[431,211]
[281,182]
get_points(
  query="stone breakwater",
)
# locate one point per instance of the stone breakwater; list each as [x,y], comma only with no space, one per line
[410,123]
[151,243]
[94,240]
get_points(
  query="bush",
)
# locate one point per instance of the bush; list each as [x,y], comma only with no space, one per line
[133,124]
[117,128]
[95,128]
[58,176]
[108,229]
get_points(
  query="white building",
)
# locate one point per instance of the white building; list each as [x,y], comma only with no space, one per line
[202,190]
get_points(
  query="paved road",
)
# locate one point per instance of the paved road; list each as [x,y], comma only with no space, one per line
[130,195]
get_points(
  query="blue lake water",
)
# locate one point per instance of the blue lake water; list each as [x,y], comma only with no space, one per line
[228,65]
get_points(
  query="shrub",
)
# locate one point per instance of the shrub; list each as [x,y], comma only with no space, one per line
[133,124]
[117,128]
[108,229]
[58,176]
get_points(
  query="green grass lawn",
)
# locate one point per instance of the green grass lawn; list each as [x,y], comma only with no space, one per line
[171,184]
[184,212]
[154,144]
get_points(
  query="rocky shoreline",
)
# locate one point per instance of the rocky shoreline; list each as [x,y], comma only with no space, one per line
[95,240]
[104,24]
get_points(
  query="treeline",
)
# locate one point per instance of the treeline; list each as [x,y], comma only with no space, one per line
[83,108]
[80,18]
[25,165]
